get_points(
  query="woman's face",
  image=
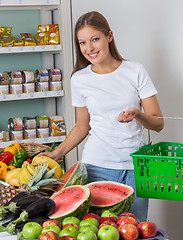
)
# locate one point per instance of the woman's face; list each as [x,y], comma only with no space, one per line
[94,45]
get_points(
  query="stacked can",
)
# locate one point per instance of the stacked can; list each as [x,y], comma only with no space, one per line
[4,83]
[15,82]
[42,123]
[28,81]
[42,80]
[29,124]
[15,126]
[55,79]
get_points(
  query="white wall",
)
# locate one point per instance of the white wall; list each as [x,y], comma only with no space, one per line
[151,32]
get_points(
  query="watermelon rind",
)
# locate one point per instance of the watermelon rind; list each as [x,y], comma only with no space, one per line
[123,205]
[79,209]
[79,176]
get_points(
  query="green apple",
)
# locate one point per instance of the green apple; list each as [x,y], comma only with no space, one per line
[108,232]
[31,230]
[73,220]
[108,213]
[68,231]
[89,227]
[89,221]
[89,235]
[53,228]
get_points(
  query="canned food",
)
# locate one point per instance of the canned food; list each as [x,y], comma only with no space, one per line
[42,121]
[42,132]
[16,135]
[4,78]
[55,86]
[27,76]
[57,125]
[16,88]
[29,122]
[55,75]
[16,77]
[4,136]
[4,89]
[41,75]
[28,87]
[15,124]
[29,133]
[42,86]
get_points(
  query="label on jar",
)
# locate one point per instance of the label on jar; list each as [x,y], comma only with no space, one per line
[4,136]
[16,135]
[4,89]
[28,87]
[29,133]
[42,121]
[27,76]
[42,86]
[55,75]
[16,88]
[42,75]
[42,132]
[29,122]
[4,78]
[16,77]
[55,86]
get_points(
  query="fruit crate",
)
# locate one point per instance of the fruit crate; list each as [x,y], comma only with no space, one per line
[158,171]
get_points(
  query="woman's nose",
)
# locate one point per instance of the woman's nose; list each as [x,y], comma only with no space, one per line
[90,47]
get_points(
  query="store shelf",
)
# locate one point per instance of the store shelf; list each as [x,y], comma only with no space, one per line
[32,49]
[28,2]
[24,96]
[35,140]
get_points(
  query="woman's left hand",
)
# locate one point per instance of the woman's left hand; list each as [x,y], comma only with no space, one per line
[128,115]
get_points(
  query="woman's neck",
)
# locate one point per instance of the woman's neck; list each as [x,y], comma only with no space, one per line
[107,67]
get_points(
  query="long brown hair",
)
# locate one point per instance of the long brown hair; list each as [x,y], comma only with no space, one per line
[97,21]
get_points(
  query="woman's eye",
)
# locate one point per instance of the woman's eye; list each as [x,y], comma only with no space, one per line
[81,43]
[95,39]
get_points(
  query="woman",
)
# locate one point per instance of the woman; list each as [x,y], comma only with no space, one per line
[114,99]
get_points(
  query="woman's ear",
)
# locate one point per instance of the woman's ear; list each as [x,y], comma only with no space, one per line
[110,36]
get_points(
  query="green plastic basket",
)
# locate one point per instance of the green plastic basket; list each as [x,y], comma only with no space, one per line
[158,170]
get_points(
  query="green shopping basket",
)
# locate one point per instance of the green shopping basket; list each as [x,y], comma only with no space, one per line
[158,171]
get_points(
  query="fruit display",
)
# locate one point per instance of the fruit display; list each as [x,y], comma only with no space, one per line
[116,197]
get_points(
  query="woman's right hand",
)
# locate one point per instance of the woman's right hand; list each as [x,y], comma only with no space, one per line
[52,155]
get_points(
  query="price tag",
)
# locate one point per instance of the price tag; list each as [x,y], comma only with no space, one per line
[20,1]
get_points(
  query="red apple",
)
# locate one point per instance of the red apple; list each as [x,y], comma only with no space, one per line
[71,225]
[102,219]
[67,238]
[128,214]
[126,220]
[92,215]
[50,235]
[51,222]
[147,229]
[128,232]
[108,222]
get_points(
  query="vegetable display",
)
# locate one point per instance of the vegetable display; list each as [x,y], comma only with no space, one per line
[19,157]
[6,157]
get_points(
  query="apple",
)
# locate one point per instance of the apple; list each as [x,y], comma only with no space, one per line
[73,220]
[51,222]
[147,229]
[31,230]
[128,214]
[91,221]
[88,235]
[68,231]
[113,219]
[108,213]
[89,227]
[92,215]
[108,232]
[128,232]
[53,228]
[50,235]
[71,225]
[108,222]
[127,220]
[67,238]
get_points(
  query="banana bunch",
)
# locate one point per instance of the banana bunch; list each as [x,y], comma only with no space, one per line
[37,160]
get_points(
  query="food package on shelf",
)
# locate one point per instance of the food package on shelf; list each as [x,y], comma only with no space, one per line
[57,125]
[42,37]
[28,39]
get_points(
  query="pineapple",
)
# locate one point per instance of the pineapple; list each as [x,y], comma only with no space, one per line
[40,182]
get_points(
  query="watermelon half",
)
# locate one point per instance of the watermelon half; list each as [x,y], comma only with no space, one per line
[71,201]
[76,175]
[113,196]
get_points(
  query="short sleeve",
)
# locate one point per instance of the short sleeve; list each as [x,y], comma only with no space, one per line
[146,87]
[77,99]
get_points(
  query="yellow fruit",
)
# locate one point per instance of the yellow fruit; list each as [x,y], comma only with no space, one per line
[14,182]
[21,179]
[31,168]
[13,174]
[25,174]
[51,164]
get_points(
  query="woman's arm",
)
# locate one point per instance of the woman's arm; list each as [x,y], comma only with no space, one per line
[76,135]
[149,118]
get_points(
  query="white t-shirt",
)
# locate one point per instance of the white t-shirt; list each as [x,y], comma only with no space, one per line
[110,142]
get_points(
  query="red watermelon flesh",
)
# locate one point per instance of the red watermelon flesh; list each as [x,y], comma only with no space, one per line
[108,195]
[76,175]
[71,201]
